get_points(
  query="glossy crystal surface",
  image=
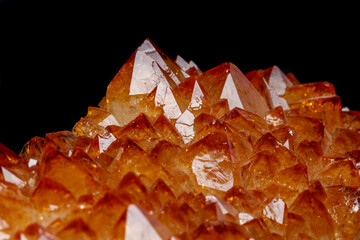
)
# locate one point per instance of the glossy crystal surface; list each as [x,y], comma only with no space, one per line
[173,152]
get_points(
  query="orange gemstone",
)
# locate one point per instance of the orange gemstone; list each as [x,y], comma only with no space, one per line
[176,153]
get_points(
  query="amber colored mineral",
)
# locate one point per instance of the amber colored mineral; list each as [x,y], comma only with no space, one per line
[176,153]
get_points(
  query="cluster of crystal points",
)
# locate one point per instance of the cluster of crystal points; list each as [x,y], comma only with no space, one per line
[177,153]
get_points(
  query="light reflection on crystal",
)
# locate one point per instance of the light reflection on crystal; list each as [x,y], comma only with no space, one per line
[185,66]
[3,224]
[275,210]
[182,63]
[278,81]
[53,207]
[140,225]
[165,98]
[244,218]
[276,100]
[286,144]
[274,120]
[146,75]
[230,93]
[356,206]
[4,236]
[105,141]
[224,207]
[185,126]
[12,178]
[209,171]
[149,50]
[197,97]
[32,162]
[109,120]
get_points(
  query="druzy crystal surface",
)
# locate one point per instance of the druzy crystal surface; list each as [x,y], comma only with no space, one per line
[176,153]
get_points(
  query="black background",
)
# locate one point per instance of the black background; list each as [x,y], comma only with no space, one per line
[57,57]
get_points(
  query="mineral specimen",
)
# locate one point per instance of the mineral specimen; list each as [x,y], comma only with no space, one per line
[176,153]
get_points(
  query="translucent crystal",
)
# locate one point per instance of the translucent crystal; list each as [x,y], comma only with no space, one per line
[173,152]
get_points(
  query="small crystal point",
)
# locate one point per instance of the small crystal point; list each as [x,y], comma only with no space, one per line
[141,225]
[226,81]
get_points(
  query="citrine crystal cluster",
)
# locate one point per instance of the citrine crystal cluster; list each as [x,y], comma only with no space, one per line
[176,153]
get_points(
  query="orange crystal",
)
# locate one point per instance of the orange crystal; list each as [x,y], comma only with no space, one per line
[176,153]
